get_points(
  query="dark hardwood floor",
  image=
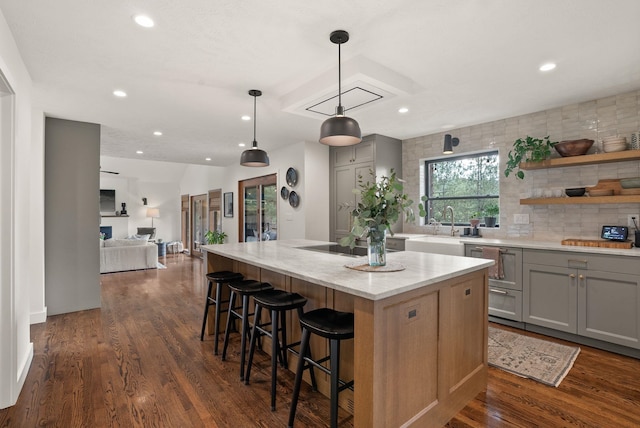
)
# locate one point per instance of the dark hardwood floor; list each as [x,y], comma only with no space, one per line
[138,361]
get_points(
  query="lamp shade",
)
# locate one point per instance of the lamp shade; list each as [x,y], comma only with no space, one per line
[449,144]
[153,212]
[254,157]
[340,131]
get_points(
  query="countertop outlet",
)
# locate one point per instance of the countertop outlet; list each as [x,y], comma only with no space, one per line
[521,219]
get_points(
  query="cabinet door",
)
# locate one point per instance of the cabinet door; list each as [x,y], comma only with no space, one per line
[363,152]
[345,179]
[342,155]
[608,307]
[550,297]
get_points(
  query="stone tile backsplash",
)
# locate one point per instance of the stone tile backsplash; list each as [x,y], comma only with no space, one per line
[615,115]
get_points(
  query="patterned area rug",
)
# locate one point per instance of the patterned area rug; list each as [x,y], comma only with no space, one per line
[536,359]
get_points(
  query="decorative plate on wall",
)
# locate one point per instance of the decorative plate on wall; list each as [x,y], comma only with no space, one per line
[284,192]
[292,177]
[294,199]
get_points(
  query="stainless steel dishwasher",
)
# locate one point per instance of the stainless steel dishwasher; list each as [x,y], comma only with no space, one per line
[505,295]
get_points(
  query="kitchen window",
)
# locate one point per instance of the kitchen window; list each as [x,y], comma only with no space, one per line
[468,183]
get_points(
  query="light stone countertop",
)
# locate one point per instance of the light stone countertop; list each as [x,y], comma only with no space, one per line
[552,246]
[421,269]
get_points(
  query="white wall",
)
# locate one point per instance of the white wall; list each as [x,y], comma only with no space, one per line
[309,220]
[16,258]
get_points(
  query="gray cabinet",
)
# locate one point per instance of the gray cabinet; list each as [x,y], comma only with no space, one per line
[505,295]
[375,153]
[594,296]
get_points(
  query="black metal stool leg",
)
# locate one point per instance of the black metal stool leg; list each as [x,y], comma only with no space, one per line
[252,344]
[283,347]
[275,351]
[243,332]
[334,346]
[216,333]
[304,345]
[232,300]
[206,311]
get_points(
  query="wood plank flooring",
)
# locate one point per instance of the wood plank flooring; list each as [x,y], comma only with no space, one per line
[138,362]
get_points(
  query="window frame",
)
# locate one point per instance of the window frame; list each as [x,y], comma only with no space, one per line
[470,155]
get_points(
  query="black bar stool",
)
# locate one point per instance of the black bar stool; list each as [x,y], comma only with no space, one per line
[335,326]
[219,278]
[244,288]
[278,302]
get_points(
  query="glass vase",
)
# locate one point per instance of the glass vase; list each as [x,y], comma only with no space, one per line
[377,247]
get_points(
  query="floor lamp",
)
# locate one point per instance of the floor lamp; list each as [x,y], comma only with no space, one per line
[153,213]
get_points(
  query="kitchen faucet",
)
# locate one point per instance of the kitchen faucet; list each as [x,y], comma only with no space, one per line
[444,217]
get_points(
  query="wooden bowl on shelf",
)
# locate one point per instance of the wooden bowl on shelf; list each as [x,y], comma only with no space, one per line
[573,147]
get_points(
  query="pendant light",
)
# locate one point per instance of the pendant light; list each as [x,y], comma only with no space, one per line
[340,130]
[254,156]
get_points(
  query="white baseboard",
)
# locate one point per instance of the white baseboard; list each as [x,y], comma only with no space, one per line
[38,317]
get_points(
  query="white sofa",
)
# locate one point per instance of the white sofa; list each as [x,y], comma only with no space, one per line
[127,254]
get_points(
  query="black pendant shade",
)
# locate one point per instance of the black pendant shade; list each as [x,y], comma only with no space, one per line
[254,156]
[340,130]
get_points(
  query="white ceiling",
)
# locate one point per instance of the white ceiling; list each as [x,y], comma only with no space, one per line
[452,63]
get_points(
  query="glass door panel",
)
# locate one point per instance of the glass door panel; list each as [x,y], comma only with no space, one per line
[198,223]
[269,213]
[251,227]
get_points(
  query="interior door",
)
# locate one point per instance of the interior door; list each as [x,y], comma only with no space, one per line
[185,234]
[258,209]
[215,210]
[198,223]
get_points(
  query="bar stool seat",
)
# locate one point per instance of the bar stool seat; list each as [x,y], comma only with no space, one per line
[219,278]
[245,288]
[278,302]
[335,326]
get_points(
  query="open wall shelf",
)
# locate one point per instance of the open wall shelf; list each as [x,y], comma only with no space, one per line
[627,155]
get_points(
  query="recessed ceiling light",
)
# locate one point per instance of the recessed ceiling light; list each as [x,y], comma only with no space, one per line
[547,67]
[144,21]
[157,133]
[240,144]
[245,117]
[139,152]
[403,110]
[119,93]
[207,159]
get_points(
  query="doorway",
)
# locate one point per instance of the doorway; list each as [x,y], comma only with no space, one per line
[258,209]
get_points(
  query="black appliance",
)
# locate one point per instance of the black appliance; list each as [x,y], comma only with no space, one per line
[615,233]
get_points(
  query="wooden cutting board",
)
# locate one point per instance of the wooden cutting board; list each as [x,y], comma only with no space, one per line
[596,243]
[608,183]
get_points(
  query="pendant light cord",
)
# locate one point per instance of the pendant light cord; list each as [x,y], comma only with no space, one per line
[255,143]
[339,78]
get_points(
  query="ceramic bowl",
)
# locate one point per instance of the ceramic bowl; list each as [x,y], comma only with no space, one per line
[573,147]
[613,138]
[614,147]
[576,191]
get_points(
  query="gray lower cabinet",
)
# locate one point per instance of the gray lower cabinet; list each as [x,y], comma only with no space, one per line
[594,296]
[505,295]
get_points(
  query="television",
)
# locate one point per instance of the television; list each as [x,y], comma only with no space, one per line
[107,201]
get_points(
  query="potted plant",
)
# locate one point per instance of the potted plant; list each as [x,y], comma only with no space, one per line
[381,204]
[474,221]
[527,150]
[215,237]
[491,212]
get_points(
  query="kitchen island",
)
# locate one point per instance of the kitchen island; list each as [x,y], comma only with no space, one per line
[420,347]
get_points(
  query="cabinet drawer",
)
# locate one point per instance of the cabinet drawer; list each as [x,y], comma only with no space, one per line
[604,262]
[511,262]
[505,303]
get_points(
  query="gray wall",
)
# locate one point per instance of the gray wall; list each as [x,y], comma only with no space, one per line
[72,216]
